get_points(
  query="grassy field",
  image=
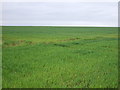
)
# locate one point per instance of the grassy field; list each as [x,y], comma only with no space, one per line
[60,57]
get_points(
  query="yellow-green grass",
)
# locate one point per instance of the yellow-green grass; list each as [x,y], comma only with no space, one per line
[60,57]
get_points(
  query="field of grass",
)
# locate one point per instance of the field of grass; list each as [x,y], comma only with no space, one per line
[60,57]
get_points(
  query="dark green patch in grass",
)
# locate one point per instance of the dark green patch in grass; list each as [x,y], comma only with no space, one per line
[61,45]
[75,43]
[84,52]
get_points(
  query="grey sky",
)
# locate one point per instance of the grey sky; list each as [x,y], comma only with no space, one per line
[60,13]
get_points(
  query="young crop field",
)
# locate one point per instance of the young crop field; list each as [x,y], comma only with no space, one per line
[59,57]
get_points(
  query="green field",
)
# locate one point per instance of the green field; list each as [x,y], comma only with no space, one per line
[60,57]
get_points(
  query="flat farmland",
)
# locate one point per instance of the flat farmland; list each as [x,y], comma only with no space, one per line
[59,57]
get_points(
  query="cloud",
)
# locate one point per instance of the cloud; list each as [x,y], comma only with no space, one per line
[60,0]
[62,13]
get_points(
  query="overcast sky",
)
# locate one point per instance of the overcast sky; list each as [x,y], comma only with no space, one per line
[60,13]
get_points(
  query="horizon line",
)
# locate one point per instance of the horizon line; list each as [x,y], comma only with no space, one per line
[59,25]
